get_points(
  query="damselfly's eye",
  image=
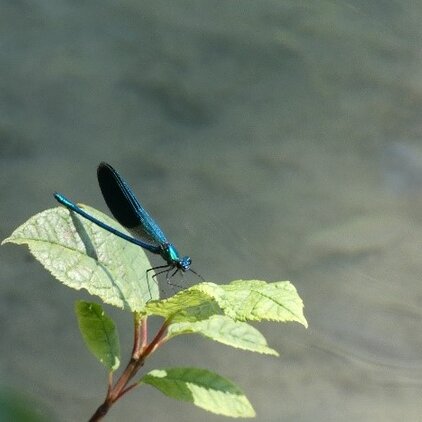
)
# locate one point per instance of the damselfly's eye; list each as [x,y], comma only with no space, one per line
[185,263]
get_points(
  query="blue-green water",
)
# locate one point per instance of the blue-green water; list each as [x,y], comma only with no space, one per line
[275,140]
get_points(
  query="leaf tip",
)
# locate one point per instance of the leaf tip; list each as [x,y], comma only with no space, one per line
[7,240]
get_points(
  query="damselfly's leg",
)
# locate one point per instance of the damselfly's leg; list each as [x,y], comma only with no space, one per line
[168,278]
[199,275]
[166,268]
[154,277]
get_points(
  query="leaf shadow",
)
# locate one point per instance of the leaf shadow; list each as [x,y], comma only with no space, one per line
[92,253]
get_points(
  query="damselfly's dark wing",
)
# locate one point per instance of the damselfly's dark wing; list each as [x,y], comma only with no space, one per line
[126,209]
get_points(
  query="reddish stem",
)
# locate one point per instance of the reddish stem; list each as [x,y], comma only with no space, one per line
[138,336]
[144,333]
[141,350]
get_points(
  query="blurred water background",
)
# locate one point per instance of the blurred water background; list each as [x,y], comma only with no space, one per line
[270,139]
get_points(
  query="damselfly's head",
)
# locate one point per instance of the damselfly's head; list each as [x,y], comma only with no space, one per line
[184,263]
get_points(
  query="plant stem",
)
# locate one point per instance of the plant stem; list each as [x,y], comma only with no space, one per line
[139,337]
[100,412]
[141,350]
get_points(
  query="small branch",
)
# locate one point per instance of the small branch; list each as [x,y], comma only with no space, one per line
[110,382]
[161,343]
[144,331]
[152,346]
[127,389]
[141,350]
[138,336]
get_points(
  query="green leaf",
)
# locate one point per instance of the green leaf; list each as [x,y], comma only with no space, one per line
[202,388]
[84,256]
[187,305]
[100,333]
[257,300]
[224,330]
